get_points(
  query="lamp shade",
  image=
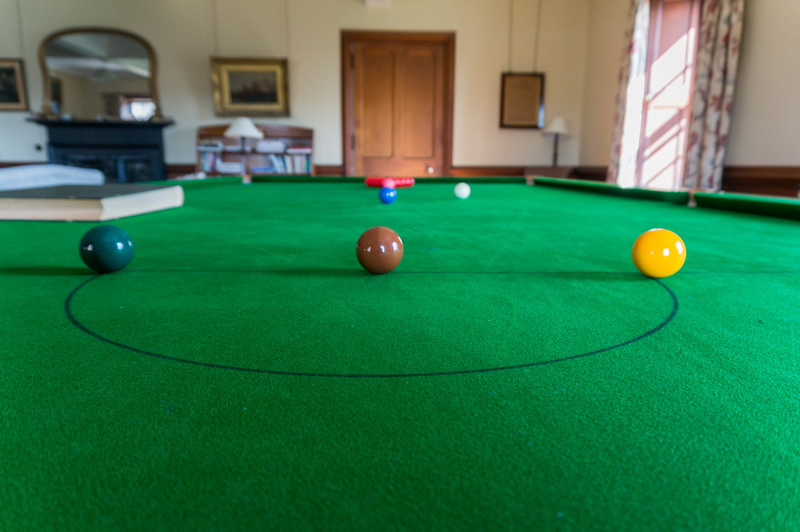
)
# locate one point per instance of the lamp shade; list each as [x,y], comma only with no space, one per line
[557,127]
[245,128]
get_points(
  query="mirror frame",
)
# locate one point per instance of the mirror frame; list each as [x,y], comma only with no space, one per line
[47,111]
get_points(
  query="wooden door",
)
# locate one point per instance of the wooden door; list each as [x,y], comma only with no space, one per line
[398,101]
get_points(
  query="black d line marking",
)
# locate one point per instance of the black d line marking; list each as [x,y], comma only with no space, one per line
[87,330]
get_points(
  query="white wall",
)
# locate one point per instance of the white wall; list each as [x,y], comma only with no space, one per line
[766,109]
[605,44]
[578,45]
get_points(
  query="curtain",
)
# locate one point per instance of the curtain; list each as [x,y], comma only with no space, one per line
[720,35]
[631,82]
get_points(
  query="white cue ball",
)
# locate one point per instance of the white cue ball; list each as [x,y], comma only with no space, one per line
[462,190]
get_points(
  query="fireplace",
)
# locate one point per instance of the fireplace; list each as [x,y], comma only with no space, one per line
[125,152]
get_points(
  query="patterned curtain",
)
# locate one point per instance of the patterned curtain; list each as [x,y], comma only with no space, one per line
[631,86]
[717,59]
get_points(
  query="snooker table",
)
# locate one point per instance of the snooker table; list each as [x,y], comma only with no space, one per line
[515,372]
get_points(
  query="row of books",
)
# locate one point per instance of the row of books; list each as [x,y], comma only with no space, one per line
[287,163]
[263,146]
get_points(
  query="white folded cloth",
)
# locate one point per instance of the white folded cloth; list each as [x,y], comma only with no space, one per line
[47,175]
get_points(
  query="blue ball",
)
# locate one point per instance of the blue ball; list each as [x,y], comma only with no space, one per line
[387,195]
[106,249]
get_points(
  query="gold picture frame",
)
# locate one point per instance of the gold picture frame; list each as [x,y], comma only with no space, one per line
[522,101]
[13,92]
[250,87]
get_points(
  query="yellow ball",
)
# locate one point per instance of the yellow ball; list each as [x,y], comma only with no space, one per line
[658,253]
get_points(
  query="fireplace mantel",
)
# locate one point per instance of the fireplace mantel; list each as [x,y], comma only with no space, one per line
[124,151]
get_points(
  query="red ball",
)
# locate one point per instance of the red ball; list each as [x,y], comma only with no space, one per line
[379,250]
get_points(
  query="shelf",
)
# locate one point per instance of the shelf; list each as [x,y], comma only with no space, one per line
[285,150]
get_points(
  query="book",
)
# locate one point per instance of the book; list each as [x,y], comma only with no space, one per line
[228,167]
[87,202]
[211,146]
[299,149]
[270,146]
[278,163]
[208,161]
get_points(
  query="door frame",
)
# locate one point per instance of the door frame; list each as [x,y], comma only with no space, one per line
[348,37]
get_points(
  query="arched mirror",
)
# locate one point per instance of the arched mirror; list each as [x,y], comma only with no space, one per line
[98,73]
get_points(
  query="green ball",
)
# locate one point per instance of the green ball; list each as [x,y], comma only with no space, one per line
[106,248]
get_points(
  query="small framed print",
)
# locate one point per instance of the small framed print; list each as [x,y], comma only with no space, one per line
[250,87]
[522,101]
[13,92]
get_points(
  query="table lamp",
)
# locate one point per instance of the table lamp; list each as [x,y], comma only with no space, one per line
[557,128]
[244,128]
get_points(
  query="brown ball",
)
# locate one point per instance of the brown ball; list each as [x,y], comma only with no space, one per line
[379,250]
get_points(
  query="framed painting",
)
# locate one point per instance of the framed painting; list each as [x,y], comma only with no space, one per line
[250,87]
[522,101]
[13,92]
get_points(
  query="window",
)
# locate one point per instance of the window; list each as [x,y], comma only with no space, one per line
[128,106]
[136,108]
[659,96]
